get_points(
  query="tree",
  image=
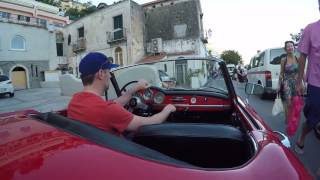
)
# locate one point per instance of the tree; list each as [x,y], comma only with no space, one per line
[296,37]
[231,57]
[75,14]
[50,2]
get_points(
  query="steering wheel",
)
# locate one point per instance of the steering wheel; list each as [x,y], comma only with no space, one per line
[123,89]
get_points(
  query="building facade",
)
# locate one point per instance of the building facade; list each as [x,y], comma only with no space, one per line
[175,27]
[28,41]
[115,30]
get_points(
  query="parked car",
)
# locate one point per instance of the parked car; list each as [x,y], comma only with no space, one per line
[214,134]
[6,86]
[265,69]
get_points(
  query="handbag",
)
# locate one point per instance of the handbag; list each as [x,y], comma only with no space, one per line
[277,106]
[294,115]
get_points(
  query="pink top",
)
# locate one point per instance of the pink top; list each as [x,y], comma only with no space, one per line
[310,45]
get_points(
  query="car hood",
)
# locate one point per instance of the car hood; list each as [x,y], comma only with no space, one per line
[4,82]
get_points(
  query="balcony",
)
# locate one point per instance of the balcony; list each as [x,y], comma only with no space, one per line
[27,21]
[116,36]
[79,45]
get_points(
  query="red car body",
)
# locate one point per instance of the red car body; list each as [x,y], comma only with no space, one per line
[32,149]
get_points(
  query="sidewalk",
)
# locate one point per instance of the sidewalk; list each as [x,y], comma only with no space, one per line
[40,99]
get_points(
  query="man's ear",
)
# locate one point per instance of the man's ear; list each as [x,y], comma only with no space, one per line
[99,75]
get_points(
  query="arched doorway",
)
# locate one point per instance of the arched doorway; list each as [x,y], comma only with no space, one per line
[19,78]
[118,56]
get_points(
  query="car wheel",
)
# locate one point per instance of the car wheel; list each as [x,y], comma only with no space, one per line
[11,94]
[317,130]
[264,94]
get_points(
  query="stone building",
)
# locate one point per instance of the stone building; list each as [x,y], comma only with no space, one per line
[115,30]
[28,46]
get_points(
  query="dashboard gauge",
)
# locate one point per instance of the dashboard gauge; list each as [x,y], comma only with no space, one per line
[158,98]
[193,100]
[147,94]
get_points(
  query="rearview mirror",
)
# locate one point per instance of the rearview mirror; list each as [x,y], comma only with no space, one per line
[165,78]
[254,89]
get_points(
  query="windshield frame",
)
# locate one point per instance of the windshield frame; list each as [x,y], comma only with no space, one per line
[228,82]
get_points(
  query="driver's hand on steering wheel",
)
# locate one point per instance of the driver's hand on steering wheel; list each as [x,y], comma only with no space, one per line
[142,84]
[170,108]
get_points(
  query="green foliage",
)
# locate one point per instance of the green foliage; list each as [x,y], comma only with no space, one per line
[50,2]
[296,36]
[231,57]
[75,14]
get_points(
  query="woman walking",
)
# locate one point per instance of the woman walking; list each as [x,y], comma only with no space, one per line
[288,76]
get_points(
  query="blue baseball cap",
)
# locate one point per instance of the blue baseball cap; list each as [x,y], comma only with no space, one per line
[93,62]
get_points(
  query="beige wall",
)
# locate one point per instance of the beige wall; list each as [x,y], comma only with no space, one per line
[96,26]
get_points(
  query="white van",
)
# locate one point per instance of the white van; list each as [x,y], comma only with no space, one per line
[264,69]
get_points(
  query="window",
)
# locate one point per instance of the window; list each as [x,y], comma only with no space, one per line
[59,49]
[69,39]
[23,18]
[42,22]
[81,32]
[118,27]
[261,59]
[3,78]
[119,57]
[32,74]
[276,55]
[18,43]
[36,71]
[4,15]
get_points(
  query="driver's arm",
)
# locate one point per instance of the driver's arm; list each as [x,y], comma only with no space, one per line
[139,121]
[124,99]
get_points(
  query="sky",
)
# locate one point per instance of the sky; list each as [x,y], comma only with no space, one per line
[250,25]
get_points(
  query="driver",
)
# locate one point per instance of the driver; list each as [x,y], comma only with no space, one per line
[88,105]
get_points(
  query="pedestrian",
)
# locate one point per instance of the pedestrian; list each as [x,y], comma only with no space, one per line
[309,46]
[288,77]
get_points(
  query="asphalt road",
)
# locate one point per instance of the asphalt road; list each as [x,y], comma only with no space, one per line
[40,99]
[310,158]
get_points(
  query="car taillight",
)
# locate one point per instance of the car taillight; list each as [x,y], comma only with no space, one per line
[268,75]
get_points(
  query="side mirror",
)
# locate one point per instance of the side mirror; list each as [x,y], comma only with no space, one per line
[254,89]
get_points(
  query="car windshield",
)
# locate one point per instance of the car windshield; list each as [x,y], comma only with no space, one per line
[181,74]
[3,78]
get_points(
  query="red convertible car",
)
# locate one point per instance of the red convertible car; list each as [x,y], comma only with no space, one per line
[212,135]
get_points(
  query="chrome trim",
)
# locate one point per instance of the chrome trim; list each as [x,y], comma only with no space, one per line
[178,99]
[196,106]
[255,145]
[285,141]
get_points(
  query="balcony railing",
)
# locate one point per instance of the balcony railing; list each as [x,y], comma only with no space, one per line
[116,36]
[79,45]
[32,21]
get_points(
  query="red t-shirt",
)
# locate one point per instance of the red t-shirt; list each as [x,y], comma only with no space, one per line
[92,109]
